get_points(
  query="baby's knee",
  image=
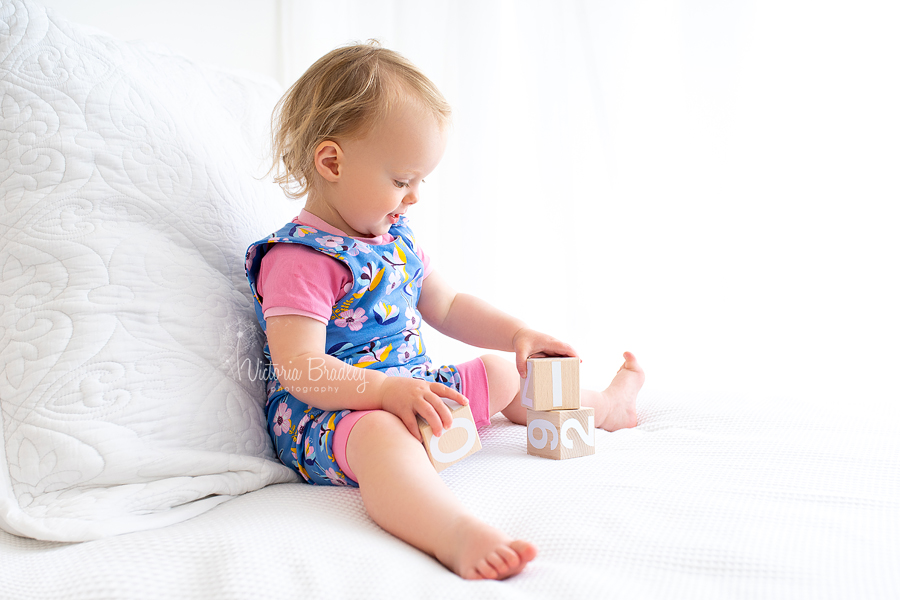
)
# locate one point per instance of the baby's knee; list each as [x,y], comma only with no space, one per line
[379,423]
[503,379]
[380,428]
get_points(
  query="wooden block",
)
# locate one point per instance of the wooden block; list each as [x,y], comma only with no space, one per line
[560,434]
[551,384]
[456,443]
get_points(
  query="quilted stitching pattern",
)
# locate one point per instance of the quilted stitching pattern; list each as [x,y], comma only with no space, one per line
[128,198]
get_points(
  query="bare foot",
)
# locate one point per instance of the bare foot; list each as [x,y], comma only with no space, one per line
[615,407]
[478,551]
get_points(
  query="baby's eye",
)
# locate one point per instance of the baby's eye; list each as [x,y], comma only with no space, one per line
[401,184]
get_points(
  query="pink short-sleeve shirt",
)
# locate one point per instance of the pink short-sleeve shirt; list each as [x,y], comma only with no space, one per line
[296,280]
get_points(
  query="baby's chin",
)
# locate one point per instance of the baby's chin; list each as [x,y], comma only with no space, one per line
[386,224]
[378,230]
[373,230]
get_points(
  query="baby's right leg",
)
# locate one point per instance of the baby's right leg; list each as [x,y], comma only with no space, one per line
[404,494]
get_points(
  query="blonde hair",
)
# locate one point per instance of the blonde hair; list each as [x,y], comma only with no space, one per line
[343,95]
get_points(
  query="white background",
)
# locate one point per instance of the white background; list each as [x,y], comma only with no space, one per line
[711,184]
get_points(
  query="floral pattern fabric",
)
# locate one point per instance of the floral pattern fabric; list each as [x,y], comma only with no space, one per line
[375,325]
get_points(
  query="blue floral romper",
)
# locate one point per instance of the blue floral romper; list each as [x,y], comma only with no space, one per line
[374,326]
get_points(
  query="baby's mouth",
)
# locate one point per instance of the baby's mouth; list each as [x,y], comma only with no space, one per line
[395,217]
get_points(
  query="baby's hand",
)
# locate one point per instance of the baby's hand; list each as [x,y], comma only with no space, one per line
[529,343]
[407,397]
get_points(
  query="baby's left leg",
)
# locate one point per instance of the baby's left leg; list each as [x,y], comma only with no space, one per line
[614,407]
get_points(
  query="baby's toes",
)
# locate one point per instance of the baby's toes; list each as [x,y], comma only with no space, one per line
[501,563]
[485,569]
[525,550]
[510,557]
[631,363]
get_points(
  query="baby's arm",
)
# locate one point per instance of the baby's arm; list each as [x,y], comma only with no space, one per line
[473,321]
[296,343]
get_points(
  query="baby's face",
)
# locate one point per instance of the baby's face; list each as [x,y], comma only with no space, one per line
[382,173]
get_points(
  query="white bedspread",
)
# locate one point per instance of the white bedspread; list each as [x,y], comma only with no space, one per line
[706,498]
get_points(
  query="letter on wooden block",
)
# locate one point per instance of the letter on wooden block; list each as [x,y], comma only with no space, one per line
[551,384]
[456,443]
[559,434]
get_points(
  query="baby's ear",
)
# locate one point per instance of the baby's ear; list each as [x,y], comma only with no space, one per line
[329,158]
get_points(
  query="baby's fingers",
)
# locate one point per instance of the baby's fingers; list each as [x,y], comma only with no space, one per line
[432,413]
[448,392]
[412,424]
[522,361]
[521,366]
[559,348]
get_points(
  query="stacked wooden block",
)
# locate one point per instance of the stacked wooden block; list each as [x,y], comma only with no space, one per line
[558,427]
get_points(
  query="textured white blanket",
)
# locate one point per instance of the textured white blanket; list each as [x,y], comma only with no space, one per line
[705,499]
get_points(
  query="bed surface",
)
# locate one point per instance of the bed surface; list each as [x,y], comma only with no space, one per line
[706,498]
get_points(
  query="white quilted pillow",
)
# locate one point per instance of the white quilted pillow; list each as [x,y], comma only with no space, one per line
[127,338]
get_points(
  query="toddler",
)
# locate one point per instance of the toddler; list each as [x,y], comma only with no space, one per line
[341,292]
